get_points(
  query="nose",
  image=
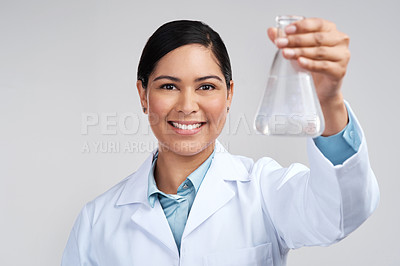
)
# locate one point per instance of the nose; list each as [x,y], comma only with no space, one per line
[187,102]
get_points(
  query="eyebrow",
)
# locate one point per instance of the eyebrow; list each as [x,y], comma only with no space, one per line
[167,77]
[179,80]
[208,77]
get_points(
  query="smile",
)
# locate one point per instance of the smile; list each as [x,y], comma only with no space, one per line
[186,126]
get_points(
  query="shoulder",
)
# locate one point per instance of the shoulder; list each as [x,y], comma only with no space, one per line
[112,194]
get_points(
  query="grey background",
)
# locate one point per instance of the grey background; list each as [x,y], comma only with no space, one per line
[60,60]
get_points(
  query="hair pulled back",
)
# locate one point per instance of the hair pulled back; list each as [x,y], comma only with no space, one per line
[175,34]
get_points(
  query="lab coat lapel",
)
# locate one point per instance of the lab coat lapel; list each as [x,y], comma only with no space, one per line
[151,220]
[214,191]
[154,222]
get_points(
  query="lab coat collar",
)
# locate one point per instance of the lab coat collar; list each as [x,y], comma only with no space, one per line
[136,186]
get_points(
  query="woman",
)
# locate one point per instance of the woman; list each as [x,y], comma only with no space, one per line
[193,203]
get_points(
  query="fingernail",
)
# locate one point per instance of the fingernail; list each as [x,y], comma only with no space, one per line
[290,29]
[289,52]
[281,41]
[303,61]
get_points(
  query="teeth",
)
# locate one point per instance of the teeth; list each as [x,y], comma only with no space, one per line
[186,127]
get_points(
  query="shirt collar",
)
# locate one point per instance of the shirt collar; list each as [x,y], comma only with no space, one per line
[196,177]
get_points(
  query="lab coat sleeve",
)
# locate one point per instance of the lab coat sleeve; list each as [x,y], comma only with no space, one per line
[78,251]
[320,205]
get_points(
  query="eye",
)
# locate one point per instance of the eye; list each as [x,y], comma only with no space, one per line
[207,87]
[168,87]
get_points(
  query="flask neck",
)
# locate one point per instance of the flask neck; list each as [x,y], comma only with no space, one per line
[283,21]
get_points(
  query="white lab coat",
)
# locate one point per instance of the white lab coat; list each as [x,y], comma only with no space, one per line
[245,213]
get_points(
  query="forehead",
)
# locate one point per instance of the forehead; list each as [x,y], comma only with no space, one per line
[188,60]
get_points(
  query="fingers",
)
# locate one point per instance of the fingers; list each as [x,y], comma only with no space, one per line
[335,54]
[313,39]
[333,69]
[312,25]
[309,32]
[331,61]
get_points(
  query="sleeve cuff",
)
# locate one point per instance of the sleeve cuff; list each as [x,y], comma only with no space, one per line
[341,146]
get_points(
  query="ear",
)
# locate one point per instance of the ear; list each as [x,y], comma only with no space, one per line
[230,95]
[143,96]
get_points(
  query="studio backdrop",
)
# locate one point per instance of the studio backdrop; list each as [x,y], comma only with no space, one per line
[71,124]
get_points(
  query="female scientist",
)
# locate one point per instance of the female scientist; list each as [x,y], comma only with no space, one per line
[193,203]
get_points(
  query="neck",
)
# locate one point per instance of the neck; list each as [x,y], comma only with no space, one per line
[172,169]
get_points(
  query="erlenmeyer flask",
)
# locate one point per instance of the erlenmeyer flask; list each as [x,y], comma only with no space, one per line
[290,106]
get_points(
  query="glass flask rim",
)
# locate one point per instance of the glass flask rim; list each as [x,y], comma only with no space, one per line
[290,18]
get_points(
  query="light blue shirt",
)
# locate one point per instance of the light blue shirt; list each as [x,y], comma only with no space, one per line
[337,149]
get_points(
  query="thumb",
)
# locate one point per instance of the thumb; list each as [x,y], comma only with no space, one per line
[272,33]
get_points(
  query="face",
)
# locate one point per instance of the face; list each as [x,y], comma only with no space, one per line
[186,100]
